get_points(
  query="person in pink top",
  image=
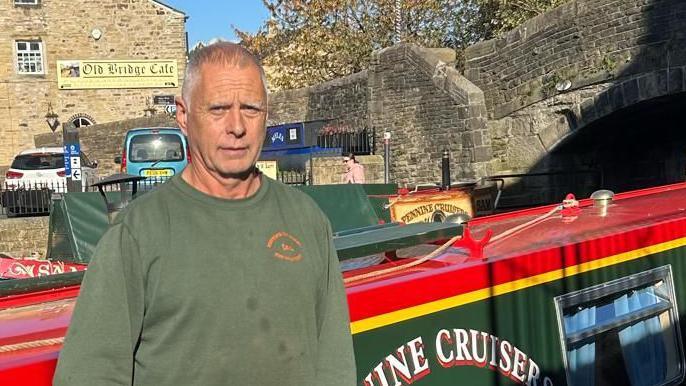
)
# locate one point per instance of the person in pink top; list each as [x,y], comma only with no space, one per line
[354,172]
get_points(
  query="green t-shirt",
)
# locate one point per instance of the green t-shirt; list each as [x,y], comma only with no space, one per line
[189,289]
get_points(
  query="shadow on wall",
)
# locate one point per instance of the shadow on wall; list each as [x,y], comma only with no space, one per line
[632,136]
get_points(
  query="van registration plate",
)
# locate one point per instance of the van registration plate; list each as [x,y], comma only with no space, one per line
[158,173]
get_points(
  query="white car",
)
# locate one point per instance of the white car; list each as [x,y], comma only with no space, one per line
[36,173]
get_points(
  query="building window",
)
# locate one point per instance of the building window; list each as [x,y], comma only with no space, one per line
[81,121]
[624,332]
[29,56]
[26,2]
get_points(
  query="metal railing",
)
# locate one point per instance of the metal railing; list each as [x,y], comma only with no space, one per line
[292,177]
[35,199]
[360,142]
[146,185]
[546,190]
[22,198]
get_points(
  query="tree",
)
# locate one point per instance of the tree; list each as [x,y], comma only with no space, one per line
[310,41]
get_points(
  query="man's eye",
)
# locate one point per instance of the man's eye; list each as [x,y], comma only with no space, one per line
[251,111]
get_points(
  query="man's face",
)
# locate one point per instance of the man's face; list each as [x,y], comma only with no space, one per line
[225,122]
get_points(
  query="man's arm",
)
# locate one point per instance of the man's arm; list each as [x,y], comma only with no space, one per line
[335,358]
[107,320]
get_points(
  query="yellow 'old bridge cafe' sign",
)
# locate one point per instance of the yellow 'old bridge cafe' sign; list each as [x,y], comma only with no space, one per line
[102,74]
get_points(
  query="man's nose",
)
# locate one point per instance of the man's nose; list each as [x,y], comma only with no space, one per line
[234,122]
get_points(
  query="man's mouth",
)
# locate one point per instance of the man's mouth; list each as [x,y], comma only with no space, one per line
[233,151]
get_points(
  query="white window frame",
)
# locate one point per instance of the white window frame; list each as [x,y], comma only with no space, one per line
[618,287]
[29,51]
[26,2]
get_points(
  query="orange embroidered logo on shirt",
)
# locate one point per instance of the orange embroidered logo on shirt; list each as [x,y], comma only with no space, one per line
[285,246]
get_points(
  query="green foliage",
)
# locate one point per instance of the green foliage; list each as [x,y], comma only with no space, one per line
[310,41]
[608,64]
[549,83]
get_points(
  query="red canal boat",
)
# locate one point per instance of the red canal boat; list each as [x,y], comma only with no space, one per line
[582,293]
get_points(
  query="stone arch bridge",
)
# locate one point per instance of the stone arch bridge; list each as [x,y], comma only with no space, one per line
[588,95]
[593,85]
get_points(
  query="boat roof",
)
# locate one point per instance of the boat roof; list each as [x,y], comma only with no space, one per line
[637,224]
[628,211]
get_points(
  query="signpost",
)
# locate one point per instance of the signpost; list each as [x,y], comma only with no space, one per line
[72,157]
[386,156]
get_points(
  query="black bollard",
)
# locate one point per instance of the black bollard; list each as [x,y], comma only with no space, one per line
[445,170]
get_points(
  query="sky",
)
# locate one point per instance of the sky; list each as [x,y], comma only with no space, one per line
[213,18]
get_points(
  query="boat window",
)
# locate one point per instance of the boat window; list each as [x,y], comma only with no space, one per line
[623,332]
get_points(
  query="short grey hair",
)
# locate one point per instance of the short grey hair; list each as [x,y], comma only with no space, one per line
[231,54]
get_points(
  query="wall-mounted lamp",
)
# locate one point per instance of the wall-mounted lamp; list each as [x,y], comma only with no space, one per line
[563,85]
[51,118]
[96,33]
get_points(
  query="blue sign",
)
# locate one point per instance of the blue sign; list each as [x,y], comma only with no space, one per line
[276,137]
[287,136]
[70,150]
[67,163]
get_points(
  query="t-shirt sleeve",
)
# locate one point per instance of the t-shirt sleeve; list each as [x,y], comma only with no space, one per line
[106,323]
[335,358]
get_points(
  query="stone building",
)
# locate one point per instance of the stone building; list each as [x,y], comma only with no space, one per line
[87,61]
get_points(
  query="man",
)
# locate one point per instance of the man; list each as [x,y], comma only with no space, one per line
[354,172]
[221,276]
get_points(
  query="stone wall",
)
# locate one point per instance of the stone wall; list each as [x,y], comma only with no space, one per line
[584,42]
[427,107]
[343,100]
[105,141]
[414,94]
[131,29]
[573,73]
[22,237]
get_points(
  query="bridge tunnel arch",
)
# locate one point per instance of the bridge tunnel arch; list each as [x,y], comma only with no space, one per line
[639,146]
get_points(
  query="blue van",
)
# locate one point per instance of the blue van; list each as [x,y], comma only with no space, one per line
[158,152]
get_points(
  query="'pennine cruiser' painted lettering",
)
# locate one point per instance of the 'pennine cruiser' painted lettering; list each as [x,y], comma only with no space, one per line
[454,348]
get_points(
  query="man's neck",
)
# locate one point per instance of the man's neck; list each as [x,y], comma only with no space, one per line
[217,186]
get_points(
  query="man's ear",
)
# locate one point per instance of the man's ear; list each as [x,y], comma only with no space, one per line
[182,115]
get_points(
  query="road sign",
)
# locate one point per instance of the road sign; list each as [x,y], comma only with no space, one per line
[163,100]
[72,157]
[170,109]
